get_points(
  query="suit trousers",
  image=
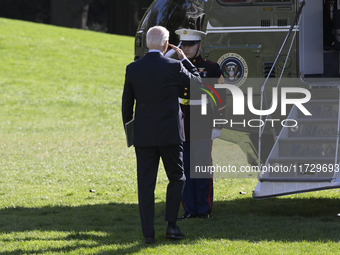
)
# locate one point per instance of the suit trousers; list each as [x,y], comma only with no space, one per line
[147,168]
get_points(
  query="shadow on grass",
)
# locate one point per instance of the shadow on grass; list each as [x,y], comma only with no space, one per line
[118,224]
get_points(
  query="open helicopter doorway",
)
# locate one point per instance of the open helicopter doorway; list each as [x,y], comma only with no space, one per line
[296,149]
[320,39]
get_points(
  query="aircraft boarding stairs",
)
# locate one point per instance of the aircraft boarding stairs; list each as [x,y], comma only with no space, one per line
[306,157]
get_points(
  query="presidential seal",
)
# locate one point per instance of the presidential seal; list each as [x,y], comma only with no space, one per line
[234,68]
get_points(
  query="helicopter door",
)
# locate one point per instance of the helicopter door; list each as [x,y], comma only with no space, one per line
[337,25]
[337,29]
[311,38]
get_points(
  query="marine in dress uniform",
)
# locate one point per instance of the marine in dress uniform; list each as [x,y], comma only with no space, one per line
[198,192]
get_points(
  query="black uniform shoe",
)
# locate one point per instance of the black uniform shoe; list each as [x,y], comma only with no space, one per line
[174,233]
[186,216]
[149,240]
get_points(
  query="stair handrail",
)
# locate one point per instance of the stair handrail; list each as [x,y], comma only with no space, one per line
[278,84]
[336,160]
[296,18]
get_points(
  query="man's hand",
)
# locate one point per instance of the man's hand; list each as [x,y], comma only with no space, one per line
[179,52]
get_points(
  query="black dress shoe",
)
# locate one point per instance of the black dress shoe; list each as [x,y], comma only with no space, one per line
[186,216]
[174,233]
[149,240]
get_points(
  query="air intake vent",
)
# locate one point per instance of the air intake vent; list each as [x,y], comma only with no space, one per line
[265,23]
[282,22]
[266,70]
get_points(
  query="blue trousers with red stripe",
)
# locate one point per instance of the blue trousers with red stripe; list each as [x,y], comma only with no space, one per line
[198,192]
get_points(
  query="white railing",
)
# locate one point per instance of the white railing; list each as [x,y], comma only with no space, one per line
[261,129]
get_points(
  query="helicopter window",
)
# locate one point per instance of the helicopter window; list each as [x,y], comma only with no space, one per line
[145,21]
[174,14]
[250,2]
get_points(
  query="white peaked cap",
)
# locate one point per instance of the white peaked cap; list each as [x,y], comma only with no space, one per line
[189,34]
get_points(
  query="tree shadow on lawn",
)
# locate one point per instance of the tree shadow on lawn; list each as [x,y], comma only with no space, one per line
[285,220]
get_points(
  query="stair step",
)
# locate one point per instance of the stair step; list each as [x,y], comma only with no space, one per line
[308,140]
[307,161]
[311,120]
[270,188]
[311,147]
[323,101]
[296,179]
[314,128]
[321,109]
[303,167]
[326,86]
[299,169]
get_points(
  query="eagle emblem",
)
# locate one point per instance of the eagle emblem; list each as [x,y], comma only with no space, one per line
[234,68]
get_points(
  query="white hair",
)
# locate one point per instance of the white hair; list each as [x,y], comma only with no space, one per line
[156,37]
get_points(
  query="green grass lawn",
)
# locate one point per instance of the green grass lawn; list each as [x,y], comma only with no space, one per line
[61,135]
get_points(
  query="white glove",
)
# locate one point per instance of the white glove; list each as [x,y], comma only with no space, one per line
[216,132]
[172,51]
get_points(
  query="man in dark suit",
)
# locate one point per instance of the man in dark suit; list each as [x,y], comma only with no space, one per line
[153,82]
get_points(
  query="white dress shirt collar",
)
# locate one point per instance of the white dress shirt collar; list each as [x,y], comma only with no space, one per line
[154,50]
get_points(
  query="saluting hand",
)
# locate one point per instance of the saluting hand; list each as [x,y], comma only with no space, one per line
[179,52]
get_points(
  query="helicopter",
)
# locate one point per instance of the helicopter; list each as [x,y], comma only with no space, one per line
[266,45]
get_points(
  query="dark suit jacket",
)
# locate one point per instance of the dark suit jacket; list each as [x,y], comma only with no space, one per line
[153,82]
